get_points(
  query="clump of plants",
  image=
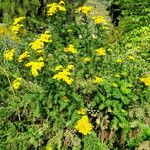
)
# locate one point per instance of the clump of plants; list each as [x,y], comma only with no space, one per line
[71,86]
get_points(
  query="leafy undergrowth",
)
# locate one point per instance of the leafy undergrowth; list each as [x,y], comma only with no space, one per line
[80,84]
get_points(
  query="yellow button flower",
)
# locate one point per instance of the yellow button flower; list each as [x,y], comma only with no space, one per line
[71,49]
[9,54]
[84,126]
[53,8]
[23,56]
[64,74]
[85,10]
[146,80]
[99,19]
[35,66]
[100,52]
[18,20]
[98,80]
[16,83]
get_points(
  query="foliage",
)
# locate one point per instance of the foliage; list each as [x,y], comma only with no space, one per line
[79,84]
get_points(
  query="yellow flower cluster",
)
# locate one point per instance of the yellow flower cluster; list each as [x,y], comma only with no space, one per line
[38,44]
[18,20]
[23,56]
[81,111]
[35,66]
[146,80]
[55,7]
[84,126]
[98,80]
[16,83]
[9,54]
[85,10]
[100,52]
[99,19]
[65,75]
[71,49]
[16,26]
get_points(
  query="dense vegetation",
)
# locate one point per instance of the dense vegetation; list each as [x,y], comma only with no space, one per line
[73,80]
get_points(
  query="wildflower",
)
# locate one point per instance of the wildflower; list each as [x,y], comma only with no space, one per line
[46,37]
[35,66]
[81,111]
[23,56]
[86,59]
[85,10]
[99,19]
[145,80]
[98,80]
[114,85]
[16,83]
[55,7]
[100,52]
[84,126]
[70,67]
[8,55]
[37,45]
[71,49]
[58,67]
[65,75]
[15,29]
[17,20]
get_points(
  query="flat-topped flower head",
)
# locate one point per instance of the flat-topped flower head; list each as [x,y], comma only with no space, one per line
[100,52]
[23,56]
[9,54]
[146,80]
[16,83]
[84,126]
[99,19]
[85,10]
[98,80]
[64,74]
[18,20]
[35,66]
[70,49]
[53,8]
